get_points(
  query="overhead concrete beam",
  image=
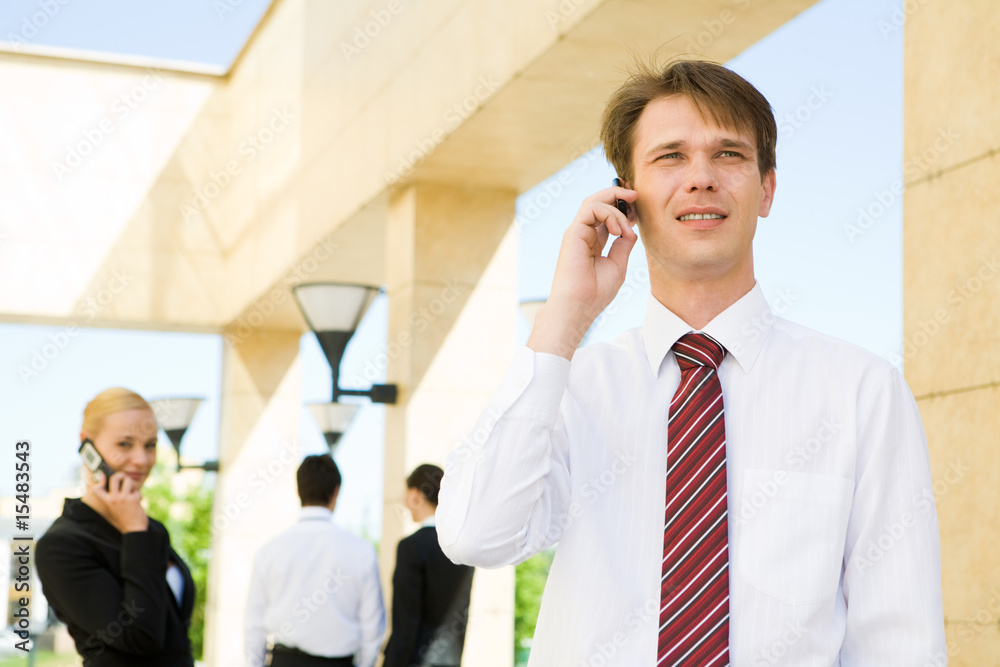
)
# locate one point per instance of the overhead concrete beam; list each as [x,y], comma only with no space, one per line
[347,101]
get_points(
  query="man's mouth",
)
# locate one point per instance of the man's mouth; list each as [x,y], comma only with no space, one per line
[701,216]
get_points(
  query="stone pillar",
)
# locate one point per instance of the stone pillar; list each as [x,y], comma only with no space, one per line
[951,267]
[451,276]
[255,497]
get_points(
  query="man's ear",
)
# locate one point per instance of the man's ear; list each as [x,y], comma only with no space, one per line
[767,186]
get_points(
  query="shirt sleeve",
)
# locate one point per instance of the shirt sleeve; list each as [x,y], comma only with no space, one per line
[892,577]
[371,615]
[506,486]
[254,628]
[88,595]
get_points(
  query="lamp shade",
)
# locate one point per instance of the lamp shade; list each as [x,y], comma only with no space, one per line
[334,306]
[333,419]
[174,415]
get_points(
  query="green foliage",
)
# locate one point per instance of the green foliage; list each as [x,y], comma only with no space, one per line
[529,582]
[189,520]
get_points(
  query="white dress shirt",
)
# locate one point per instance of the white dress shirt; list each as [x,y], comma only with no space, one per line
[315,587]
[833,538]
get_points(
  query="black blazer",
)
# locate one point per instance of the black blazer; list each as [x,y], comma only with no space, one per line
[111,590]
[430,604]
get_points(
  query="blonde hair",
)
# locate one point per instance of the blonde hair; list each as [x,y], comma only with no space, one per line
[108,402]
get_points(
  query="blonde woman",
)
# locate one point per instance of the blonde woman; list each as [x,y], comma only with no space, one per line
[106,568]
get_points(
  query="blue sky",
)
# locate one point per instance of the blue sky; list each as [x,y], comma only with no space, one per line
[205,31]
[835,82]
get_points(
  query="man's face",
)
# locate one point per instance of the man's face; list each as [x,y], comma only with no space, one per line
[700,193]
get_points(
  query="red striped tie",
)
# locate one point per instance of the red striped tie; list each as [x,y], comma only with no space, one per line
[694,589]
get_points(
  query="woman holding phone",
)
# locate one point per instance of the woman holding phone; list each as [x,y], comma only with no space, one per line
[108,570]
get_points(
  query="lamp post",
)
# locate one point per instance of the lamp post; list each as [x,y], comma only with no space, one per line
[334,420]
[174,416]
[333,312]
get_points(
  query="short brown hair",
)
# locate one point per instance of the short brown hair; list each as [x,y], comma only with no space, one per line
[718,93]
[318,478]
[426,478]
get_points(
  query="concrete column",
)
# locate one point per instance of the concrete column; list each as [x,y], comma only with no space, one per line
[451,275]
[255,496]
[951,325]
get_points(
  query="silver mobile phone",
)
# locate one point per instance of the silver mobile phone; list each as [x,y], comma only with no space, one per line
[95,462]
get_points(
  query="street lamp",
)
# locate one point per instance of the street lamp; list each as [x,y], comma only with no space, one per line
[333,419]
[174,416]
[333,312]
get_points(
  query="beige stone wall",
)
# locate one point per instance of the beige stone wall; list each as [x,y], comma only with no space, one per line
[952,297]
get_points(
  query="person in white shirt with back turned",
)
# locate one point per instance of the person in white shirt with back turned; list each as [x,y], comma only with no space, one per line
[725,486]
[315,588]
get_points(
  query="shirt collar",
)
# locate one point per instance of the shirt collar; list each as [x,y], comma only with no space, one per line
[429,521]
[315,513]
[741,329]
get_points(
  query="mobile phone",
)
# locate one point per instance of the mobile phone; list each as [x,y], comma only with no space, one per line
[620,203]
[95,462]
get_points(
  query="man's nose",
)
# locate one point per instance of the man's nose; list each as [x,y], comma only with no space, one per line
[701,175]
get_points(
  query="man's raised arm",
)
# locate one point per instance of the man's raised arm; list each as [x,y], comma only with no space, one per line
[506,485]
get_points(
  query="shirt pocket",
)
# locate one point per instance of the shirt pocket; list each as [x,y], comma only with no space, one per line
[792,531]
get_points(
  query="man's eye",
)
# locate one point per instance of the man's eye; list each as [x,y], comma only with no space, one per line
[669,155]
[731,154]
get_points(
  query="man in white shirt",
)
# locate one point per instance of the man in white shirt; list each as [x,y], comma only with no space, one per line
[315,587]
[818,507]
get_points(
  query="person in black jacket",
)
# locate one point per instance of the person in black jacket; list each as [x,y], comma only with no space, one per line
[430,594]
[107,570]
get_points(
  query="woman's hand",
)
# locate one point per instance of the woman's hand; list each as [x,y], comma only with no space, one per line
[122,502]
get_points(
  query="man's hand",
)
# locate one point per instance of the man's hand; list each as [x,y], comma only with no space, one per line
[585,281]
[121,502]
